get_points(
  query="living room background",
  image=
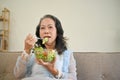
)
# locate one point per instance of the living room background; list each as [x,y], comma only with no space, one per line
[90,25]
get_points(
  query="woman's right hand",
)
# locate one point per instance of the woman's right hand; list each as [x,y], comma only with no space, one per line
[29,43]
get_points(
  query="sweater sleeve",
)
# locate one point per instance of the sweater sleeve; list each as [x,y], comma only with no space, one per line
[72,68]
[22,66]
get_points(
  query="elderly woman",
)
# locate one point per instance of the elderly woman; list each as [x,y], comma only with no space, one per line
[29,67]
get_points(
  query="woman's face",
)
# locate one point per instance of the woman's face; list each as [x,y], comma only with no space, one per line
[48,30]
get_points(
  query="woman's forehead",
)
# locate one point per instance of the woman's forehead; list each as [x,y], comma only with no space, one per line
[47,21]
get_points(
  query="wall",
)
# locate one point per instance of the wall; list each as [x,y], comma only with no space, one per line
[90,25]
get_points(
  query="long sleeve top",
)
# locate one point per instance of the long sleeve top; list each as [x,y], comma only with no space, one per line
[29,68]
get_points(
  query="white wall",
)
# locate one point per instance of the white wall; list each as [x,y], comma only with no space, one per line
[90,25]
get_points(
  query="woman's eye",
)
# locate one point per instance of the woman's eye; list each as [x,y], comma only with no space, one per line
[42,28]
[50,27]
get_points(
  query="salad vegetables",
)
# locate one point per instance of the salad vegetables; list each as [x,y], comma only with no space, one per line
[44,54]
[45,40]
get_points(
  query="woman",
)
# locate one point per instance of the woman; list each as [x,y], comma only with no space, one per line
[63,66]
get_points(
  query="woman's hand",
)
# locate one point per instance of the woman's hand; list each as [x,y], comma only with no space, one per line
[48,65]
[29,43]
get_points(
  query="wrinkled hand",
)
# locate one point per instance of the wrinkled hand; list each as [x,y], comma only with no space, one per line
[48,65]
[29,42]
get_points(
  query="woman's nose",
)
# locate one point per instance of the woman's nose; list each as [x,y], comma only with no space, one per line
[46,30]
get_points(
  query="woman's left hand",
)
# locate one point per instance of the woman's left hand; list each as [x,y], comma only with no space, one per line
[48,65]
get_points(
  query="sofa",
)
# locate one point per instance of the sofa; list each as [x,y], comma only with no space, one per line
[90,65]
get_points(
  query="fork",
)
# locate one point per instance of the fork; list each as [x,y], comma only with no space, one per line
[39,38]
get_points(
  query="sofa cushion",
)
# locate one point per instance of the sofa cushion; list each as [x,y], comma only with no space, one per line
[98,65]
[7,63]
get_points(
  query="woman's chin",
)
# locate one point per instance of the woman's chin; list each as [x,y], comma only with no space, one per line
[48,44]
